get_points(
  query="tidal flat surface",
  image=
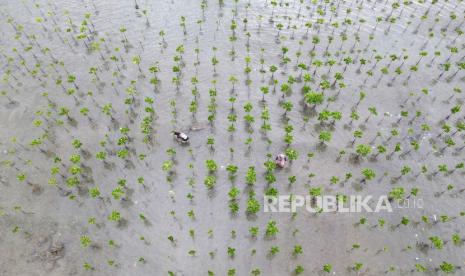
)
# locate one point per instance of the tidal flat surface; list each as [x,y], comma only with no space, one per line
[364,98]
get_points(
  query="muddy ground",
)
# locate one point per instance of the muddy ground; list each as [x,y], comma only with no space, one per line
[43,219]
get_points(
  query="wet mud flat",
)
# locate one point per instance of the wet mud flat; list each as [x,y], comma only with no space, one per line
[363,97]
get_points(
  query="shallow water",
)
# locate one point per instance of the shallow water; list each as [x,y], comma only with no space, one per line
[48,218]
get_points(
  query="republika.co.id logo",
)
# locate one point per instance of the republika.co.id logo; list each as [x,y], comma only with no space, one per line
[339,204]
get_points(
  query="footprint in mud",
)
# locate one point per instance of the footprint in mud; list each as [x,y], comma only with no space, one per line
[12,104]
[198,126]
[17,114]
[50,256]
[44,244]
[37,189]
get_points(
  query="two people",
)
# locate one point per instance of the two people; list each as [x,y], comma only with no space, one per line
[280,160]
